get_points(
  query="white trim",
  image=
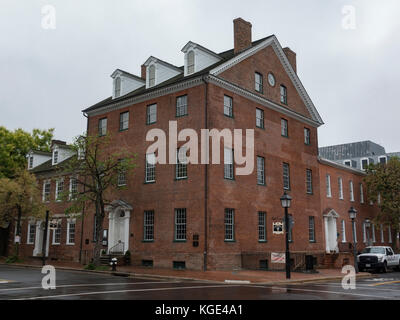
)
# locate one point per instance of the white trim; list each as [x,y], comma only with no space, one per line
[56,194]
[273,41]
[328,185]
[340,185]
[361,165]
[373,234]
[29,232]
[53,242]
[382,235]
[390,234]
[343,225]
[344,163]
[381,157]
[70,221]
[351,185]
[361,193]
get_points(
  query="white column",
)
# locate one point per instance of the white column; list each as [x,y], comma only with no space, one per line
[38,243]
[126,230]
[110,230]
[326,234]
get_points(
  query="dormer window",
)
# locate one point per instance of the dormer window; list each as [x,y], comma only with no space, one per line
[190,67]
[117,87]
[30,162]
[152,75]
[55,157]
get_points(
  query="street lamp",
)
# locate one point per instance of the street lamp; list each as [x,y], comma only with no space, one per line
[352,215]
[285,202]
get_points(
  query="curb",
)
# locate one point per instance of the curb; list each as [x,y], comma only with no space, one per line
[157,276]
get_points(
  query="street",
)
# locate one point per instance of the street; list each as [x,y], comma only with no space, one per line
[17,283]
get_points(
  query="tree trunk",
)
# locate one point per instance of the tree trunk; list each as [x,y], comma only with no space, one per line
[18,233]
[99,232]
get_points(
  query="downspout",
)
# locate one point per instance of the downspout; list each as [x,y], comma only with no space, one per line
[206,178]
[83,209]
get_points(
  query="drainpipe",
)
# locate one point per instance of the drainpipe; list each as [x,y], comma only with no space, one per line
[83,209]
[206,180]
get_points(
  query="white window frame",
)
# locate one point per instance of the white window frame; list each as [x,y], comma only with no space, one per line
[328,185]
[30,162]
[382,235]
[364,232]
[343,225]
[340,183]
[228,107]
[191,68]
[29,233]
[260,170]
[117,87]
[361,193]
[390,234]
[344,162]
[361,163]
[354,227]
[44,190]
[56,194]
[151,113]
[55,156]
[351,190]
[373,233]
[150,166]
[70,187]
[259,118]
[54,233]
[69,222]
[382,157]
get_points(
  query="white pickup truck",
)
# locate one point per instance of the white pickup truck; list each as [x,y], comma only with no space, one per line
[378,258]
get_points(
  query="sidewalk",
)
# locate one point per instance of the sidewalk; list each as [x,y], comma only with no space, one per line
[259,277]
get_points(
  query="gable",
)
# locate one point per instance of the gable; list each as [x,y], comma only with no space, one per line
[268,56]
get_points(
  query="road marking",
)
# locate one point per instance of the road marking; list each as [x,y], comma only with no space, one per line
[87,285]
[330,292]
[123,291]
[358,286]
[237,281]
[383,283]
[5,281]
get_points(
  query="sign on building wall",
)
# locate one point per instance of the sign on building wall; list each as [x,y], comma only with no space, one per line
[278,257]
[277,227]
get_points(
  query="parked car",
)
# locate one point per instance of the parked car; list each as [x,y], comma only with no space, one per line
[378,258]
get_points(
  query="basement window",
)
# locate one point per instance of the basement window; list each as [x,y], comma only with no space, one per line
[147,263]
[179,265]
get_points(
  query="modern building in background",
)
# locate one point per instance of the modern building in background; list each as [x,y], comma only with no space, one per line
[205,216]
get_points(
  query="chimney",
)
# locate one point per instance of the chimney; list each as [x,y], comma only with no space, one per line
[291,55]
[241,34]
[143,73]
[57,142]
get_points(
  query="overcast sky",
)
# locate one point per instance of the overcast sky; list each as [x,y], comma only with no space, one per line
[50,75]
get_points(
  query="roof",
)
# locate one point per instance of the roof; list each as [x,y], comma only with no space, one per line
[340,166]
[47,166]
[128,74]
[225,56]
[43,153]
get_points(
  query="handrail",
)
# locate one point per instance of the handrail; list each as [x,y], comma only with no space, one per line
[119,247]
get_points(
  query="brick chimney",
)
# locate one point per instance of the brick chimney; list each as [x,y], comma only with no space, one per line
[291,55]
[241,34]
[143,72]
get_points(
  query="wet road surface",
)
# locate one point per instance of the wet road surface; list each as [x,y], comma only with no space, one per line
[18,283]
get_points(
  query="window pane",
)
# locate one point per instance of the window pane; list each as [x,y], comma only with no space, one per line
[229,224]
[181,106]
[180,224]
[151,114]
[260,170]
[283,95]
[148,225]
[311,229]
[152,75]
[124,121]
[259,118]
[181,163]
[258,82]
[284,127]
[190,58]
[286,176]
[228,163]
[309,181]
[262,236]
[150,174]
[228,106]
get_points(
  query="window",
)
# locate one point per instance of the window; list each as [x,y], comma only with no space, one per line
[181,164]
[284,128]
[150,174]
[307,136]
[30,162]
[121,175]
[373,233]
[31,233]
[343,231]
[124,121]
[259,118]
[57,233]
[354,227]
[152,75]
[73,188]
[117,87]
[260,170]
[181,106]
[228,163]
[311,229]
[328,186]
[151,114]
[180,224]
[71,232]
[59,189]
[361,193]
[229,224]
[364,164]
[309,181]
[228,106]
[258,82]
[283,94]
[102,127]
[46,191]
[262,234]
[390,233]
[340,185]
[190,62]
[382,237]
[347,163]
[55,157]
[148,232]
[364,233]
[383,160]
[351,191]
[286,176]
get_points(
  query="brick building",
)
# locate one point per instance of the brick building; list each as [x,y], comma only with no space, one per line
[205,215]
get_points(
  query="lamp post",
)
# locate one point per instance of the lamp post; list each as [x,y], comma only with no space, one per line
[285,202]
[367,223]
[352,215]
